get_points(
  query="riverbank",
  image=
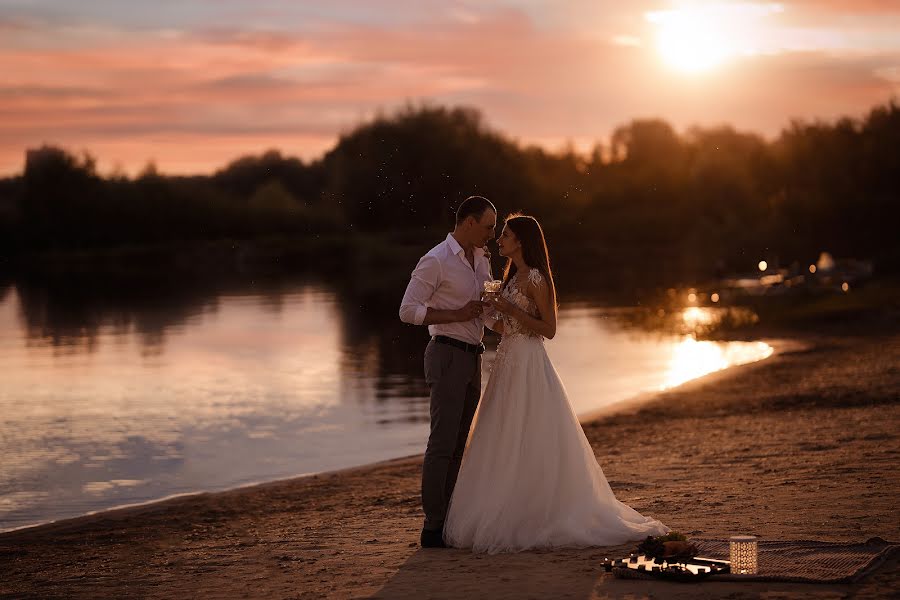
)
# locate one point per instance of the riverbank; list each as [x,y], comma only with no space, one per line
[803,445]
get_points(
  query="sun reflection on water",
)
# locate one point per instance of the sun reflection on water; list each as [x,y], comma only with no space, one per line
[692,358]
[695,316]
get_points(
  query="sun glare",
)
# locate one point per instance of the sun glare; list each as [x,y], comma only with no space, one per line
[688,41]
[698,37]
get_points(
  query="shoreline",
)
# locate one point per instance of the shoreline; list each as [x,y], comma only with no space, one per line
[778,345]
[802,445]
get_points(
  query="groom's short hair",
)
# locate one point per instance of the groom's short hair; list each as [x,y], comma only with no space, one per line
[473,206]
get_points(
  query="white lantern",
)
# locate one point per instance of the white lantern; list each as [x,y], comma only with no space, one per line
[743,551]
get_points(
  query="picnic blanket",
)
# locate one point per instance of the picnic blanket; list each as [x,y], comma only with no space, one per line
[806,561]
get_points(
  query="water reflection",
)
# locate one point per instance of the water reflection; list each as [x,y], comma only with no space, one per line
[697,321]
[692,358]
[121,388]
[695,317]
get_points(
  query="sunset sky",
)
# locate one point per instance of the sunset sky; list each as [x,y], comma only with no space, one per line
[193,84]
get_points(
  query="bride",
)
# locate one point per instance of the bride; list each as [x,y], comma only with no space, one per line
[529,478]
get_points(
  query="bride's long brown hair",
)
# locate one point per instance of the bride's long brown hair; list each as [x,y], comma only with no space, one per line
[534,249]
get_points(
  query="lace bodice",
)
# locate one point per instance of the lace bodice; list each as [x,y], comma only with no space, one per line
[514,293]
[513,330]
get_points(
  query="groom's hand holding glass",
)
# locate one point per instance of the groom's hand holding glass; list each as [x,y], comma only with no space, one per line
[472,310]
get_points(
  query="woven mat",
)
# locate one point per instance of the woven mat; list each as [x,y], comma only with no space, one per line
[806,561]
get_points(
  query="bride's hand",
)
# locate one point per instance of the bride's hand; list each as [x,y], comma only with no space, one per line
[502,305]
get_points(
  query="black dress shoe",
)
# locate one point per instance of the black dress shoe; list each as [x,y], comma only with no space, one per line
[432,538]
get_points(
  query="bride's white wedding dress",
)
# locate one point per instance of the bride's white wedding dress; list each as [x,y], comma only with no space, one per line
[529,477]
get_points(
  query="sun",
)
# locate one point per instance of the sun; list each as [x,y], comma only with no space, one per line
[691,40]
[696,37]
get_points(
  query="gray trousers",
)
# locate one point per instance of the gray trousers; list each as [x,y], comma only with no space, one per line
[454,378]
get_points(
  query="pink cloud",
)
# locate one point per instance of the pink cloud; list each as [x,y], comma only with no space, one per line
[855,7]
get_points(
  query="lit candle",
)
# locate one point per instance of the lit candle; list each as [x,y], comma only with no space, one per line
[743,554]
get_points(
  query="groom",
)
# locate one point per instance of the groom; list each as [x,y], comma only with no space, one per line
[444,293]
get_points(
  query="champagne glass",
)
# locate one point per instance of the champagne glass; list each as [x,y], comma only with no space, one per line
[491,290]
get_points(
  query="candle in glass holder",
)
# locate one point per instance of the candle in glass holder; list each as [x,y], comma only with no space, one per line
[743,554]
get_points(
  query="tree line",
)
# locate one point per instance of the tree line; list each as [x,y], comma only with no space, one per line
[707,198]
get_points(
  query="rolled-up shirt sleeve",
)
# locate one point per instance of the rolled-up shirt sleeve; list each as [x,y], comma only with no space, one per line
[424,280]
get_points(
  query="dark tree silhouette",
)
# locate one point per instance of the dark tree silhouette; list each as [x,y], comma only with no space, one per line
[710,196]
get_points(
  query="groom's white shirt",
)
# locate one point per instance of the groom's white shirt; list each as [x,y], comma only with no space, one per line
[444,280]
